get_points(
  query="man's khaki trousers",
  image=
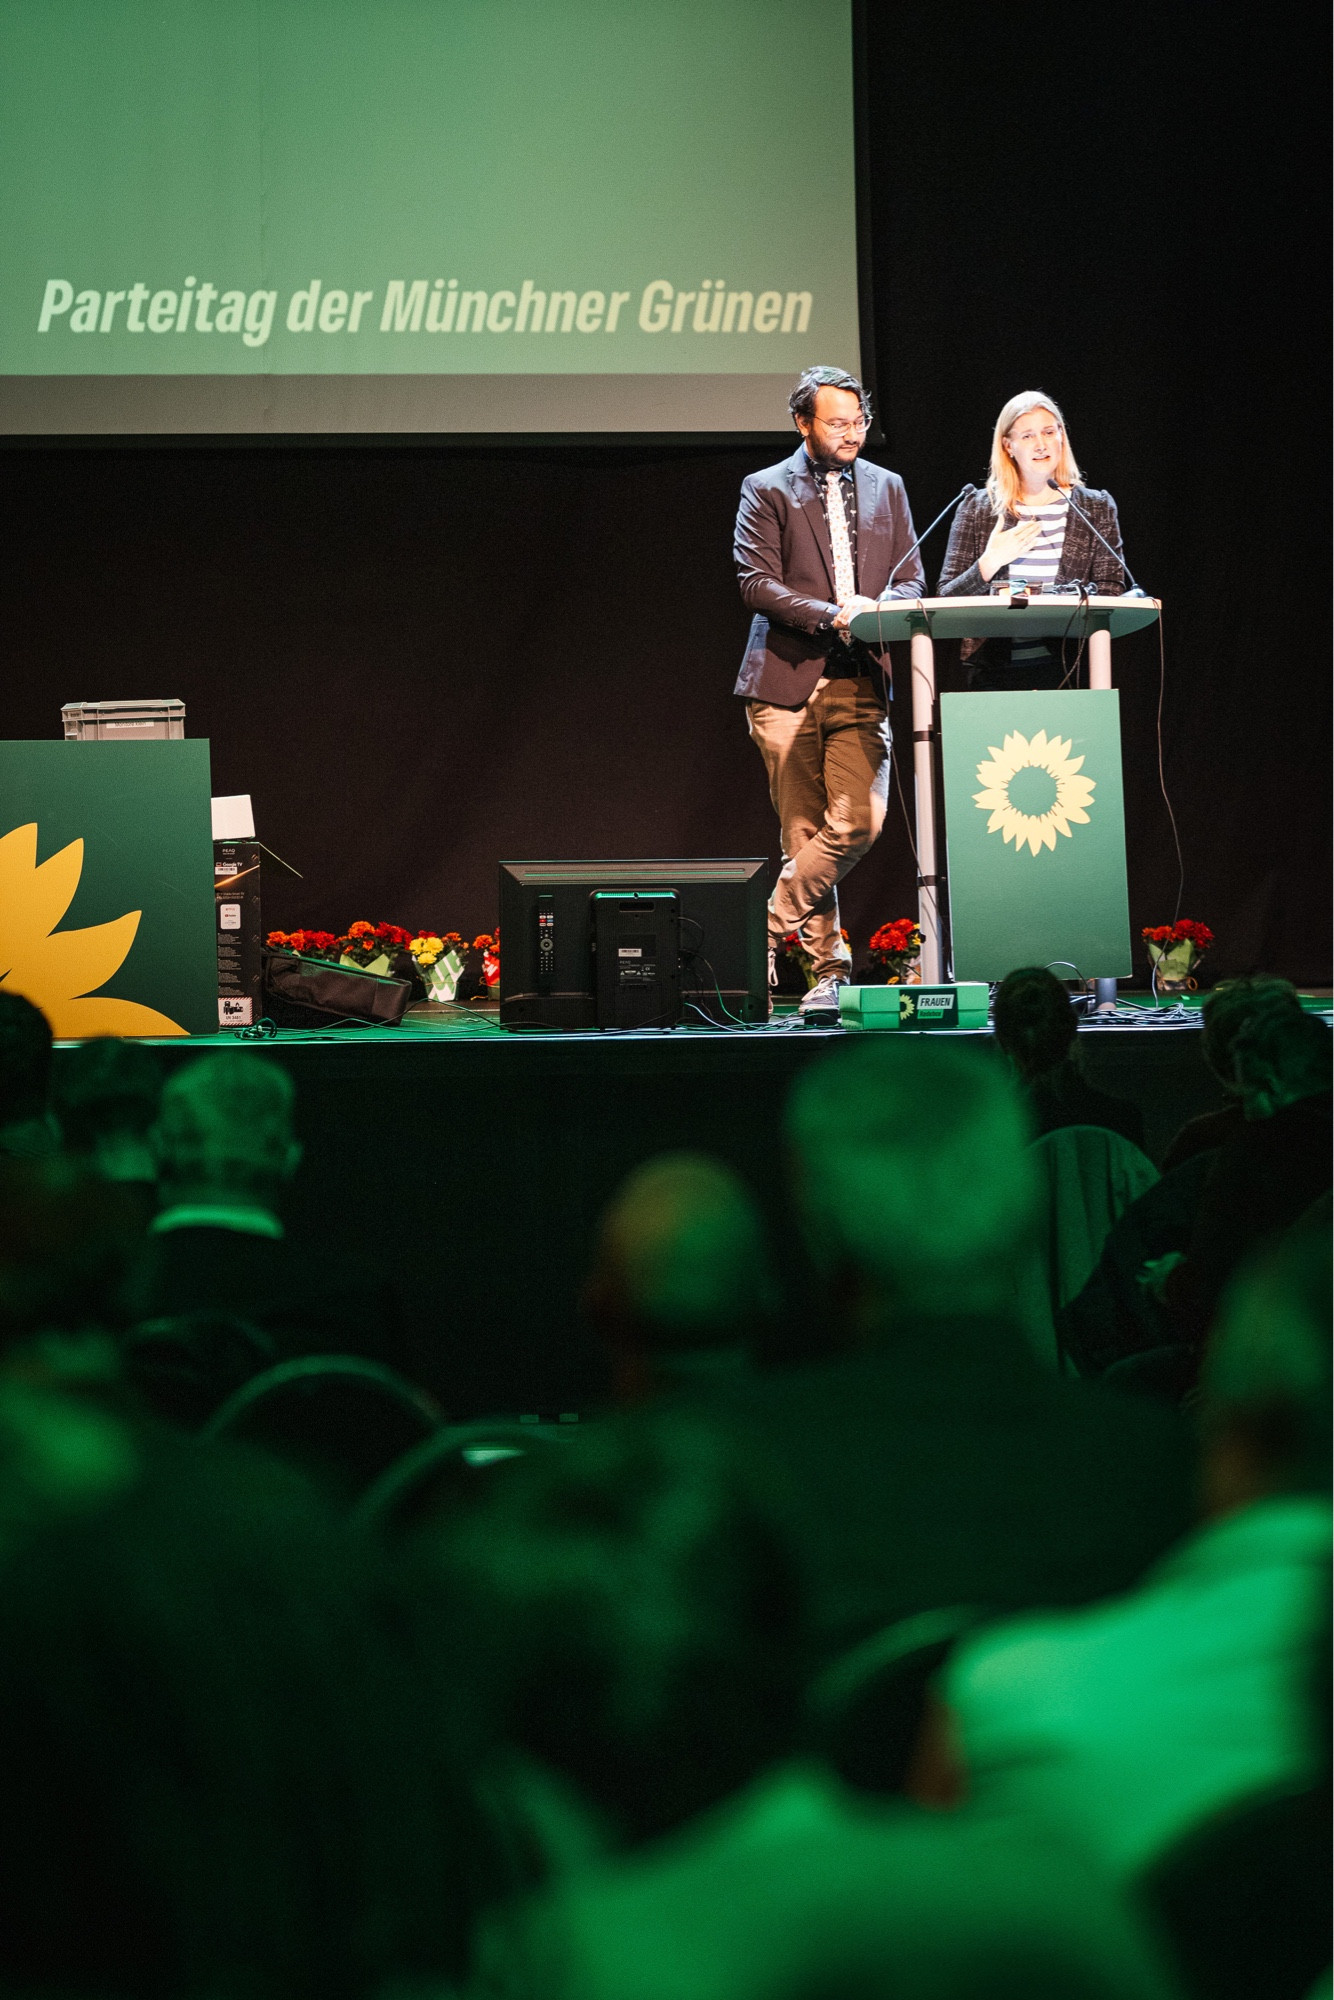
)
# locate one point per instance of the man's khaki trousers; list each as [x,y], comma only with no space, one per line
[828,766]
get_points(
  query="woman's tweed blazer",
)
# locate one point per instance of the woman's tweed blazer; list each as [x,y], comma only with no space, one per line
[1083,557]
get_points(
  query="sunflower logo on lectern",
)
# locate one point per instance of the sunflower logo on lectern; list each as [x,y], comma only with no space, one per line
[1033,790]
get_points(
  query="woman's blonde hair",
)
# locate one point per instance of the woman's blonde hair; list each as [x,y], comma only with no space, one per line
[1003,488]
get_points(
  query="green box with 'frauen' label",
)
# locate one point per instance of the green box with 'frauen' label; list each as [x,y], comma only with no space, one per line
[874,1010]
[1035,833]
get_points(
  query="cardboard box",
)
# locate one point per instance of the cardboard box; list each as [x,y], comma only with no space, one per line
[236,896]
[871,1010]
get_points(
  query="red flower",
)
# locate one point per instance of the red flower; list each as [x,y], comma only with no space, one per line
[304,943]
[792,947]
[900,939]
[1184,931]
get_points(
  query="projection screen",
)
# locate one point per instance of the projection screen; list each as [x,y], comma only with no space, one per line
[290,217]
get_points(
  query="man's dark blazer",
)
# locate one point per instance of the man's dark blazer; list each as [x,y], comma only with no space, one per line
[946,1468]
[786,569]
[308,1304]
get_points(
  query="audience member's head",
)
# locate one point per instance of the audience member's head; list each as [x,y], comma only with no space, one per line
[106,1102]
[67,1240]
[624,1628]
[26,1128]
[1267,1381]
[1278,1056]
[224,1132]
[681,1284]
[1229,1008]
[913,1179]
[216,1765]
[1034,1022]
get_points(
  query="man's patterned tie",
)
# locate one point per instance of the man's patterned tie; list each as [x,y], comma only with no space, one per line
[845,578]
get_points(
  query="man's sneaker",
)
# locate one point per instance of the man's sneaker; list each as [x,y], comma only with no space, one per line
[820,1005]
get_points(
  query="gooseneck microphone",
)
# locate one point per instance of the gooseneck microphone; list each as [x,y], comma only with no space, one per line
[1056,487]
[922,537]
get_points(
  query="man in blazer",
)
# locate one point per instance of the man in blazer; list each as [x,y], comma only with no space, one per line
[818,539]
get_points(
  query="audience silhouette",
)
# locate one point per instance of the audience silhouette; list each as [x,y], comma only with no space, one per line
[1036,1029]
[681,1291]
[218,1769]
[1226,1173]
[939,1459]
[922,1667]
[226,1148]
[27,1128]
[1131,1722]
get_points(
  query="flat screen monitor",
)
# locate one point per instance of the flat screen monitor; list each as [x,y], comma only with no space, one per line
[547,976]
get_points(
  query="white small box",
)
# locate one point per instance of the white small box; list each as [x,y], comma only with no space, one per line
[233,817]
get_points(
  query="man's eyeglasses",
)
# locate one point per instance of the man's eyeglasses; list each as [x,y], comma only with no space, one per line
[845,427]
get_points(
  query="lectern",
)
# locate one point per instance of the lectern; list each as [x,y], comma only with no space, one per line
[923,620]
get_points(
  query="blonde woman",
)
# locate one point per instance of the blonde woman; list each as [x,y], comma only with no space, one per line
[1017,529]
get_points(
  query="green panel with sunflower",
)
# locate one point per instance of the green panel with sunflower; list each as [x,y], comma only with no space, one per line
[106,886]
[1035,833]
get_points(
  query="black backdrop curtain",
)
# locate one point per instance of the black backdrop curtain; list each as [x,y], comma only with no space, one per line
[419,660]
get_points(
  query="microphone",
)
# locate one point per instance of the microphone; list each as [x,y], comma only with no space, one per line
[1056,487]
[922,537]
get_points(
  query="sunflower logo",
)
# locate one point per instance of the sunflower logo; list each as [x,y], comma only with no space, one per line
[60,970]
[1033,790]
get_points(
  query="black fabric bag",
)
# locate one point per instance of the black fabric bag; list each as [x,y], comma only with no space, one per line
[310,990]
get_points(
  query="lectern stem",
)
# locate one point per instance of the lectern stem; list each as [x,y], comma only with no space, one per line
[924,785]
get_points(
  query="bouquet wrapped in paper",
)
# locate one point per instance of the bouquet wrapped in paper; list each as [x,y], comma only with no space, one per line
[897,947]
[1174,952]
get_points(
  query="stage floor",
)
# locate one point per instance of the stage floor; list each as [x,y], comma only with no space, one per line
[470,1164]
[451,1024]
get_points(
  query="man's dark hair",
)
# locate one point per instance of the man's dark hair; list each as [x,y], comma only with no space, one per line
[225,1123]
[220,1770]
[913,1171]
[106,1088]
[802,400]
[1283,1047]
[1034,1021]
[620,1611]
[1230,1008]
[25,1059]
[67,1242]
